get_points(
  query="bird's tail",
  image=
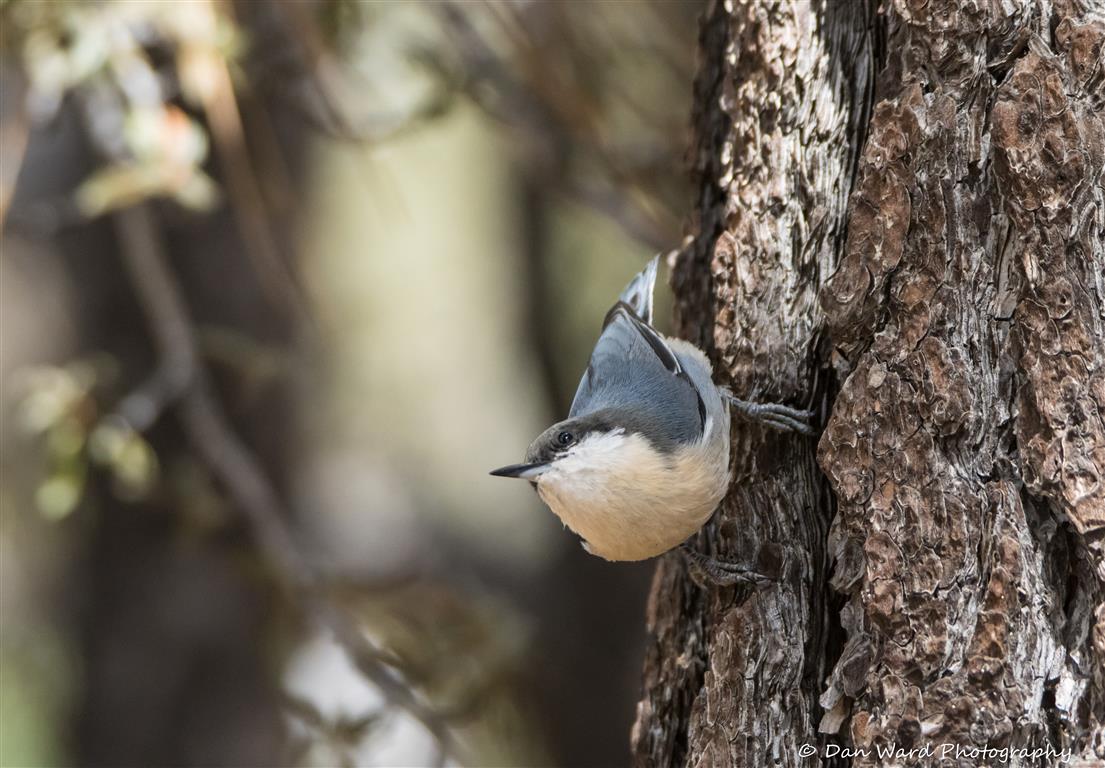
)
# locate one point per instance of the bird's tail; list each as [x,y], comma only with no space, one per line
[638,294]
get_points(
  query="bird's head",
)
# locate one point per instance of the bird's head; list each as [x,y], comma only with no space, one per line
[557,442]
[594,443]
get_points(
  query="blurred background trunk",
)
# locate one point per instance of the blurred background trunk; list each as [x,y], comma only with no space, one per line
[900,223]
[178,620]
[179,629]
[415,220]
[167,607]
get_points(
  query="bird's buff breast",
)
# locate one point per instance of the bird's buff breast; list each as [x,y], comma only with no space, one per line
[629,502]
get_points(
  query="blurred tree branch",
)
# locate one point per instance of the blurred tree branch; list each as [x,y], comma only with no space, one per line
[327,90]
[234,465]
[154,148]
[549,114]
[515,81]
[225,119]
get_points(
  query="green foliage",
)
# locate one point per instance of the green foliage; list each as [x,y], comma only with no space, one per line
[59,405]
[100,54]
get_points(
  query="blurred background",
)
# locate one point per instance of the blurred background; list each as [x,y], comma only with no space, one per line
[280,283]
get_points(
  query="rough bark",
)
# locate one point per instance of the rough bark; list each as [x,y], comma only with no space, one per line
[966,447]
[732,678]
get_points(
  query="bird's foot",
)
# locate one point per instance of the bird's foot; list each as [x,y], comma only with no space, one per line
[706,571]
[774,415]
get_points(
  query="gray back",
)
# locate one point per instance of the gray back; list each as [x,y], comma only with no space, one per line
[633,372]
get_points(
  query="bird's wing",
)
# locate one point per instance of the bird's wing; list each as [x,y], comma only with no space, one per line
[638,294]
[632,369]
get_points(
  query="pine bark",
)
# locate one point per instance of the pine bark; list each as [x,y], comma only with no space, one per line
[901,221]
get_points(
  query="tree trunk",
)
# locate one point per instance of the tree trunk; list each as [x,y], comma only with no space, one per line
[174,616]
[949,317]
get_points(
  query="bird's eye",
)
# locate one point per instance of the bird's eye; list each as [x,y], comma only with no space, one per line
[565,438]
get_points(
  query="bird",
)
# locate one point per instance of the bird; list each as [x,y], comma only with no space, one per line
[642,461]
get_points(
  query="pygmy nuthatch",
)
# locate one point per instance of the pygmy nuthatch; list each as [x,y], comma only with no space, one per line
[642,461]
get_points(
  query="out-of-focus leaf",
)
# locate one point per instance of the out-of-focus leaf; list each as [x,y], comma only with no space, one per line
[59,494]
[63,45]
[119,186]
[51,394]
[198,193]
[168,148]
[165,135]
[65,439]
[134,468]
[107,440]
[126,453]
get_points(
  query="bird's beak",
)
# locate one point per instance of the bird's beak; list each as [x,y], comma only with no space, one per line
[522,471]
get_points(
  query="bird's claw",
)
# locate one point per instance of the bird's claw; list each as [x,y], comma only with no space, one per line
[706,570]
[774,415]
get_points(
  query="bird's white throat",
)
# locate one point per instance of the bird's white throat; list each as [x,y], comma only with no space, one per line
[628,500]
